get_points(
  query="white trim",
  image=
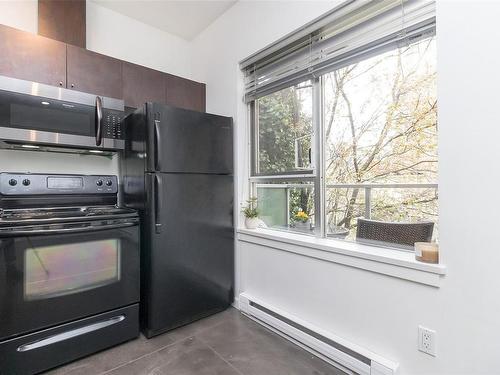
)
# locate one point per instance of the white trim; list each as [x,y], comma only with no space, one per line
[395,263]
[378,364]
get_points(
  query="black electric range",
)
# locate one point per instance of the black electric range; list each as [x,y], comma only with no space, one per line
[69,263]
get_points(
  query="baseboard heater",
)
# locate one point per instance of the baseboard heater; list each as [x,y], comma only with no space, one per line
[335,350]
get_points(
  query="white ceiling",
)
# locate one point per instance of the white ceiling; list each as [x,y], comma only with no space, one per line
[185,18]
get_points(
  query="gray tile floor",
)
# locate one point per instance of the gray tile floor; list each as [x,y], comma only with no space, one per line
[224,344]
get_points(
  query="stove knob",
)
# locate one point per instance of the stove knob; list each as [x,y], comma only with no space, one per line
[99,182]
[109,182]
[26,182]
[12,182]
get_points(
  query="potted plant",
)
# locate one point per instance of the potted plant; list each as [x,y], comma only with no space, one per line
[301,220]
[251,214]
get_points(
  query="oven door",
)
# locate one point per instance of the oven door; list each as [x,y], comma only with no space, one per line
[56,274]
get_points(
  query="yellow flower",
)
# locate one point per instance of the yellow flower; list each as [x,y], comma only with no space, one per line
[302,214]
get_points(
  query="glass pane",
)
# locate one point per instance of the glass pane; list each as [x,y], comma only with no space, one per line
[285,130]
[381,128]
[65,269]
[287,206]
[403,205]
[343,207]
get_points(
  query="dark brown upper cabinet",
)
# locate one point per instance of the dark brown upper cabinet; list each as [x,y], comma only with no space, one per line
[35,58]
[141,84]
[63,20]
[31,57]
[183,93]
[94,73]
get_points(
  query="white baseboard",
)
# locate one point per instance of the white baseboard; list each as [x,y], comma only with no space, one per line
[335,350]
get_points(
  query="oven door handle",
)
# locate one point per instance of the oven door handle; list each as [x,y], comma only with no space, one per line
[81,229]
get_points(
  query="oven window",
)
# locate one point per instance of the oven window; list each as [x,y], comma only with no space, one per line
[58,270]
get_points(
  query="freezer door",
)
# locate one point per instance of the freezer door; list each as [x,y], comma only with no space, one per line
[186,141]
[190,249]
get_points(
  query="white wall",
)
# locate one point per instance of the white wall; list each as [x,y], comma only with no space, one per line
[373,310]
[21,14]
[124,38]
[113,34]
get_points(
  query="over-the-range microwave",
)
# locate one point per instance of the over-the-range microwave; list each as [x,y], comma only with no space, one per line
[36,114]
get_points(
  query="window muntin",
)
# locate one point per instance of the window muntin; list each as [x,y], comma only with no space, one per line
[379,124]
[284,131]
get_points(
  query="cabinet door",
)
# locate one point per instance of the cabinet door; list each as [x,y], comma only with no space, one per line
[141,85]
[31,57]
[183,93]
[94,73]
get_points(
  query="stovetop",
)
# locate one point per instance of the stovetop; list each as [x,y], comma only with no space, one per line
[57,214]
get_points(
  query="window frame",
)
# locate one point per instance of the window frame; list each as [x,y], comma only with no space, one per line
[292,176]
[253,108]
[317,174]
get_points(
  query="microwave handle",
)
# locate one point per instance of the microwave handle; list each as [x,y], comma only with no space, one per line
[158,203]
[98,121]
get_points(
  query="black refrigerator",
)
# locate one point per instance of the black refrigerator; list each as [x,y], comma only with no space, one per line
[178,172]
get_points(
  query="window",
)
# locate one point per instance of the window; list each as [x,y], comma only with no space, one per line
[350,150]
[284,130]
[381,138]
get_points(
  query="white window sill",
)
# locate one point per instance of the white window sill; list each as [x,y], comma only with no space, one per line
[381,260]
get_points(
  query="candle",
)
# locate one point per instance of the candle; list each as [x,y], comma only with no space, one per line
[427,252]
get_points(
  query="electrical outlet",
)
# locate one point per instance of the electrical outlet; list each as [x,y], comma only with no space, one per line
[427,340]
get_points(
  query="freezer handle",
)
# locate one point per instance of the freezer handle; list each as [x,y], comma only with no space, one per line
[157,145]
[158,203]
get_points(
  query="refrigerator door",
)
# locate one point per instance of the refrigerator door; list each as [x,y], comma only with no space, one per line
[189,254]
[186,141]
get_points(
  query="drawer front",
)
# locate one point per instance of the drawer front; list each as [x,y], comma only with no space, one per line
[40,351]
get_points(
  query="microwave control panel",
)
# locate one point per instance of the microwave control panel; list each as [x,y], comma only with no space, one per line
[112,126]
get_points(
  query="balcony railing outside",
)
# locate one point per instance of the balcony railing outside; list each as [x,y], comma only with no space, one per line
[367,187]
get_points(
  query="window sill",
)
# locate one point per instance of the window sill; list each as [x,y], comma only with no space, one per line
[381,260]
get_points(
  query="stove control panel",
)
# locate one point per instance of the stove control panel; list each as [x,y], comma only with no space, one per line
[38,184]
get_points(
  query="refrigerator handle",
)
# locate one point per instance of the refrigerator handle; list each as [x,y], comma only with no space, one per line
[157,145]
[158,203]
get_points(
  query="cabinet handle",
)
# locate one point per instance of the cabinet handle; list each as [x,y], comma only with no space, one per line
[72,85]
[60,83]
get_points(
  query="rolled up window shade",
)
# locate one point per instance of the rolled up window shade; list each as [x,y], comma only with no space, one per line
[349,33]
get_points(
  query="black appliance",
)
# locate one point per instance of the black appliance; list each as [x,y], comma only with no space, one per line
[178,172]
[69,269]
[34,113]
